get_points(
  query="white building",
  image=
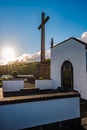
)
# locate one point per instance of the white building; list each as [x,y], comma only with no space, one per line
[68,67]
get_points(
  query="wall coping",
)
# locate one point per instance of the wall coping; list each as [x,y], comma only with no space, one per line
[38,97]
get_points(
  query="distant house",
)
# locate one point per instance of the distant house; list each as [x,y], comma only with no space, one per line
[24,76]
[7,76]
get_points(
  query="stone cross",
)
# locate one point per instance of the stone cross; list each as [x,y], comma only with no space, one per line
[42,27]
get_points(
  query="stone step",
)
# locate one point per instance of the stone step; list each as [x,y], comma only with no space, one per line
[30,90]
[38,91]
[25,92]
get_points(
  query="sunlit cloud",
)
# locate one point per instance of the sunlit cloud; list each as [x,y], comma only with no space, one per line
[84,37]
[35,57]
[32,57]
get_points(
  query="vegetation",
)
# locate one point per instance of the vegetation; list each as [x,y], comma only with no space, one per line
[14,74]
[20,68]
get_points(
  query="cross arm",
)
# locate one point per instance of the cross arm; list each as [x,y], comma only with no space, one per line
[47,18]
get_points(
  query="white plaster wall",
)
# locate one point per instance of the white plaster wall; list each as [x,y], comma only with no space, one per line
[43,84]
[74,52]
[12,85]
[25,115]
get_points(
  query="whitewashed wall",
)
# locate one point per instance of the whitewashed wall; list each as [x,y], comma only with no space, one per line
[74,52]
[12,85]
[25,115]
[43,84]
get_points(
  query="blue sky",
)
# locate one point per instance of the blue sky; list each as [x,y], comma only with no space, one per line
[19,20]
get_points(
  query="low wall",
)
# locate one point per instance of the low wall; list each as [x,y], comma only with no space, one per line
[36,113]
[43,84]
[12,85]
[1,92]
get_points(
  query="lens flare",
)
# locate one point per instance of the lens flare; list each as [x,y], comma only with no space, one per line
[8,54]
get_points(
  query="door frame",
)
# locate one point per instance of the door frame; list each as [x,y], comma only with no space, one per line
[67,64]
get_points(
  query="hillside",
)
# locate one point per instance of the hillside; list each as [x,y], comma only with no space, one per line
[22,68]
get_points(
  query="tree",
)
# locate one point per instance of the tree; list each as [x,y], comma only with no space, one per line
[14,74]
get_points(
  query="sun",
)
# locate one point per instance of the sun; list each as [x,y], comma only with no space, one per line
[8,54]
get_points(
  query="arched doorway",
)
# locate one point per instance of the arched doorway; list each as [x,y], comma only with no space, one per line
[67,75]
